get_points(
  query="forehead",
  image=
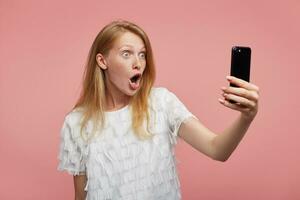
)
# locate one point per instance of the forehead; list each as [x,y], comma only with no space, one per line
[129,39]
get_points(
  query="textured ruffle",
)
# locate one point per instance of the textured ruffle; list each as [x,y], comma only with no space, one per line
[117,164]
[73,150]
[176,113]
[132,170]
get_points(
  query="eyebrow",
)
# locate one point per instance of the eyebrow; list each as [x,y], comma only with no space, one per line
[130,46]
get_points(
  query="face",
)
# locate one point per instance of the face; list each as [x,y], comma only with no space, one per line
[126,59]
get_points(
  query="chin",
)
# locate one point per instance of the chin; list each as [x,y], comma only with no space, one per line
[132,92]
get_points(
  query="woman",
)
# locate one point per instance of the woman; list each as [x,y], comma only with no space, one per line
[118,141]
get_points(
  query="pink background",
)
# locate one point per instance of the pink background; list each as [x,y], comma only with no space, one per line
[43,47]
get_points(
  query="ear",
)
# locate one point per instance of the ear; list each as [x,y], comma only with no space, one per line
[101,61]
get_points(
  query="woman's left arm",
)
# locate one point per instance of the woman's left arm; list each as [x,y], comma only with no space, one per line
[220,146]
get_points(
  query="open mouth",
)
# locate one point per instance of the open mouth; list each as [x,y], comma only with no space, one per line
[136,78]
[134,81]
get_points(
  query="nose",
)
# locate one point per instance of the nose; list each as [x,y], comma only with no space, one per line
[137,64]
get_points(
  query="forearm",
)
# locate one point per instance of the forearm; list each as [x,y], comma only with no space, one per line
[79,185]
[81,196]
[226,142]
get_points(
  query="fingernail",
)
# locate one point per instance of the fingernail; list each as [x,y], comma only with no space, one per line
[229,77]
[221,100]
[223,88]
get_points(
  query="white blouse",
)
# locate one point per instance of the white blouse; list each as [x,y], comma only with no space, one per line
[116,163]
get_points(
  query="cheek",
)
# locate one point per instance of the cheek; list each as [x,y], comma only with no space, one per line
[144,63]
[118,73]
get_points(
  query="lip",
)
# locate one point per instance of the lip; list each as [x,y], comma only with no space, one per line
[135,85]
[138,73]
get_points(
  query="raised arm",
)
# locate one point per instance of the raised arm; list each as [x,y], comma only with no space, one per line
[220,146]
[79,185]
[217,146]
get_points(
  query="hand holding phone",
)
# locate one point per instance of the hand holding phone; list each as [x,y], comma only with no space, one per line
[240,64]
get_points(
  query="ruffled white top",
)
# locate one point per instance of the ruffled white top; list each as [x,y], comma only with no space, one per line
[116,163]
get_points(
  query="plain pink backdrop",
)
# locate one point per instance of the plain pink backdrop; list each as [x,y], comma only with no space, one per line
[44,45]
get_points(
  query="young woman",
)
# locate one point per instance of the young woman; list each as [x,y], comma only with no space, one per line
[118,141]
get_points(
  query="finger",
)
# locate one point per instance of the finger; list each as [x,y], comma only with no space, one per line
[233,106]
[248,94]
[241,100]
[242,83]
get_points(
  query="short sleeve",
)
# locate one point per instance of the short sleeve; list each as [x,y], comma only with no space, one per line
[176,113]
[71,158]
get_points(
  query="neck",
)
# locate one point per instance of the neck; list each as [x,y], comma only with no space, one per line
[115,99]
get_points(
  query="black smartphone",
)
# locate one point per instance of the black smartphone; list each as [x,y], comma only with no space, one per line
[240,64]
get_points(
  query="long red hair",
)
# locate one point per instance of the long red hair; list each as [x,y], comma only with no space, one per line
[92,97]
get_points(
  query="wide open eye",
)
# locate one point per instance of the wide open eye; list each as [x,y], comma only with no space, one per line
[143,55]
[125,53]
